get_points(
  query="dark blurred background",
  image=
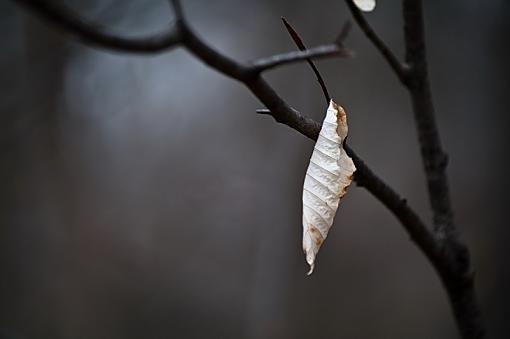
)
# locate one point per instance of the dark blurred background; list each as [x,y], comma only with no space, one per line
[142,197]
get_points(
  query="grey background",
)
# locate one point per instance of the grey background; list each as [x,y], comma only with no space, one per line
[142,197]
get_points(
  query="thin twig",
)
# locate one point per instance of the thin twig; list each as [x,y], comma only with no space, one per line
[299,43]
[397,66]
[323,51]
[93,35]
[179,14]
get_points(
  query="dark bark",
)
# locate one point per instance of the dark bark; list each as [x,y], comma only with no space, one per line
[452,258]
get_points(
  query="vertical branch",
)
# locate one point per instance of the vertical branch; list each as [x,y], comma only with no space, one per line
[456,271]
[453,260]
[434,158]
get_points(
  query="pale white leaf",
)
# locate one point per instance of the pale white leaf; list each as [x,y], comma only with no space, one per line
[365,5]
[328,175]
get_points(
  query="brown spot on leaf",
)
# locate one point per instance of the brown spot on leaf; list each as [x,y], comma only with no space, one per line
[316,235]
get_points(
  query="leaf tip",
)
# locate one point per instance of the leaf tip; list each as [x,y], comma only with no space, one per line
[312,266]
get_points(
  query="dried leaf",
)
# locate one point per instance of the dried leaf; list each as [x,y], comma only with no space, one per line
[365,5]
[327,178]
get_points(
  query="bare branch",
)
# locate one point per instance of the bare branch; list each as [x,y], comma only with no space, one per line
[222,63]
[457,272]
[417,230]
[176,6]
[93,35]
[346,29]
[434,158]
[324,51]
[179,35]
[400,69]
[453,263]
[299,43]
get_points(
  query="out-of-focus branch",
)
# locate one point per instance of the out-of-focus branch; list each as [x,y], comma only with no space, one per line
[434,158]
[179,34]
[453,262]
[264,64]
[94,35]
[400,69]
[457,271]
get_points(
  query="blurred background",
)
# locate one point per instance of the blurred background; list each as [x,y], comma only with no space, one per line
[142,197]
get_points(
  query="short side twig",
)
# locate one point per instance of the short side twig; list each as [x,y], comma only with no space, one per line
[265,64]
[300,44]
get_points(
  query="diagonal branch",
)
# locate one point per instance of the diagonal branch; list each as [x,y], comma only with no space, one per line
[300,44]
[400,69]
[323,51]
[93,35]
